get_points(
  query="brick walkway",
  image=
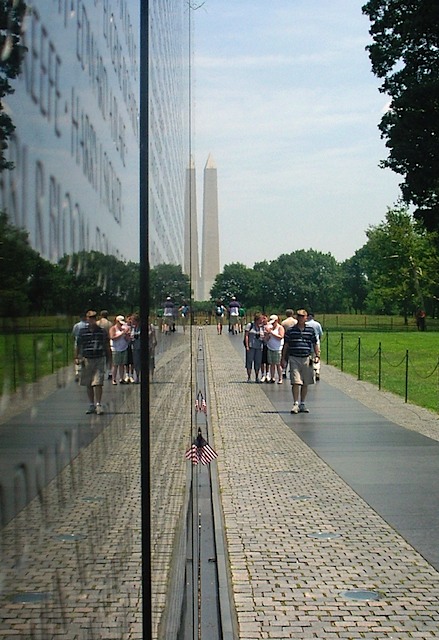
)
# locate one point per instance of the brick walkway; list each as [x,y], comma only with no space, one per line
[286,583]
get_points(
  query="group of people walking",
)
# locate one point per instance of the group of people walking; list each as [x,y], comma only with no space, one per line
[106,349]
[271,347]
[234,313]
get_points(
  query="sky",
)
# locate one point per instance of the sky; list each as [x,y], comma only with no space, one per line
[287,105]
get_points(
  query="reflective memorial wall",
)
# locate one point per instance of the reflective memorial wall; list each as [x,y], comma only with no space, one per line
[96,523]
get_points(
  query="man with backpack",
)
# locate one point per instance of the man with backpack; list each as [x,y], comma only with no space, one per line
[234,307]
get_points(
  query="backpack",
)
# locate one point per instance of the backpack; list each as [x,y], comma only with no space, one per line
[219,311]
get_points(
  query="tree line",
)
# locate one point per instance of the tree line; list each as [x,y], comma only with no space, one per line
[394,273]
[31,285]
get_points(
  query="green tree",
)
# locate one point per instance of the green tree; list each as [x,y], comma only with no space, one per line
[405,54]
[399,257]
[309,279]
[168,280]
[355,283]
[95,280]
[12,52]
[17,261]
[235,280]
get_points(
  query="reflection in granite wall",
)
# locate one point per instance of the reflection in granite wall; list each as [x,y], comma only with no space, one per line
[70,485]
[70,527]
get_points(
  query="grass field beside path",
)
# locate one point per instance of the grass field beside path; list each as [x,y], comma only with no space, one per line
[360,354]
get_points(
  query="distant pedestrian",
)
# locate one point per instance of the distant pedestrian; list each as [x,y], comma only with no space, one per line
[234,307]
[420,319]
[312,322]
[300,348]
[242,322]
[93,352]
[220,312]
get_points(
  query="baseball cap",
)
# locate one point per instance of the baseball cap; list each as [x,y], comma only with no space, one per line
[273,318]
[120,318]
[91,314]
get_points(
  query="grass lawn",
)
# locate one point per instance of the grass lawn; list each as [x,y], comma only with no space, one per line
[358,353]
[25,357]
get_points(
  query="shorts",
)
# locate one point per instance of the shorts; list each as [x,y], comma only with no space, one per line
[253,358]
[273,357]
[219,319]
[93,372]
[234,320]
[120,357]
[301,372]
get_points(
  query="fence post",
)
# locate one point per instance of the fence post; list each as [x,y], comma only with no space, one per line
[52,348]
[406,375]
[35,358]
[341,352]
[327,347]
[14,367]
[379,366]
[67,345]
[359,360]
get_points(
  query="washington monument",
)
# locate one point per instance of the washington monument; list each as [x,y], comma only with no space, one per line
[210,259]
[191,266]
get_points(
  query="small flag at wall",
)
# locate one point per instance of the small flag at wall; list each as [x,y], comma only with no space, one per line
[200,403]
[200,451]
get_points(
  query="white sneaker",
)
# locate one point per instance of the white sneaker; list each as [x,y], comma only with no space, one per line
[268,377]
[263,378]
[295,408]
[303,408]
[99,409]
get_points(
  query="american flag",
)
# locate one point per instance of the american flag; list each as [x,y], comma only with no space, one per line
[200,451]
[200,403]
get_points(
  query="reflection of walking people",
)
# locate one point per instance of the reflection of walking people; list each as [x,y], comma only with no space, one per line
[253,342]
[300,346]
[136,346]
[220,312]
[93,351]
[152,343]
[120,338]
[75,333]
[184,311]
[105,323]
[168,316]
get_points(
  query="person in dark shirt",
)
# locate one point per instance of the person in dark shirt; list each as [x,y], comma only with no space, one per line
[300,349]
[93,352]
